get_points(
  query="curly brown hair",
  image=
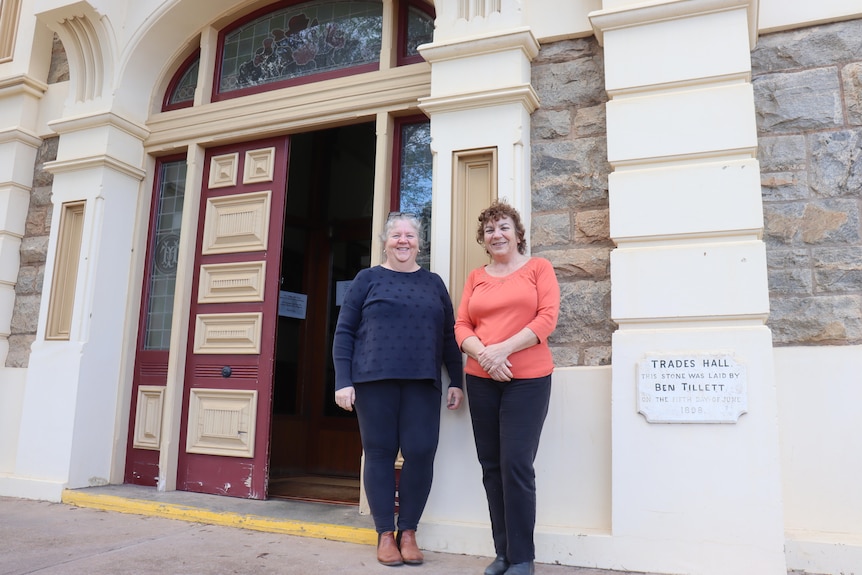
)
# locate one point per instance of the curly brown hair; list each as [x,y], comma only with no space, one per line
[493,213]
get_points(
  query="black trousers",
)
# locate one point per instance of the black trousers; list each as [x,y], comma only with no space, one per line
[507,423]
[393,415]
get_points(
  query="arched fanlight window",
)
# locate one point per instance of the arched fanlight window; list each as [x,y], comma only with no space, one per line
[181,90]
[294,42]
[323,39]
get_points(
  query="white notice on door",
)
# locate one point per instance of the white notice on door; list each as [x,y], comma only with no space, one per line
[291,304]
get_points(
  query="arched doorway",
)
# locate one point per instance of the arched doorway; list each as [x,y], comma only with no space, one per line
[257,415]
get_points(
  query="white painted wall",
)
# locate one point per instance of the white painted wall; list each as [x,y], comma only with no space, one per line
[784,14]
[11,401]
[819,399]
[573,477]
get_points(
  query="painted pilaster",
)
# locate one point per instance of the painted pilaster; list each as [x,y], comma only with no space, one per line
[72,393]
[23,70]
[688,281]
[18,149]
[481,98]
[67,436]
[19,98]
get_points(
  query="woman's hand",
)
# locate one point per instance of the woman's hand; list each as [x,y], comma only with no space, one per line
[501,373]
[454,397]
[345,398]
[494,359]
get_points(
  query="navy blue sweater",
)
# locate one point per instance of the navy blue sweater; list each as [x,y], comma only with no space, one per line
[396,325]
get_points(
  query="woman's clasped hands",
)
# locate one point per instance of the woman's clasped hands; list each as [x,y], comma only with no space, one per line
[494,359]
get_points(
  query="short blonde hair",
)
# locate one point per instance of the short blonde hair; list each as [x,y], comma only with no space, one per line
[395,217]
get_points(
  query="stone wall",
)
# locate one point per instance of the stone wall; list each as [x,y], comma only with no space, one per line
[570,196]
[808,97]
[34,250]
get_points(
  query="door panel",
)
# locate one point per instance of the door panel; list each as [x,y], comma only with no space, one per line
[151,359]
[227,396]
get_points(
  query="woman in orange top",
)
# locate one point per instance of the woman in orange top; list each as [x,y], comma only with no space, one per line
[508,309]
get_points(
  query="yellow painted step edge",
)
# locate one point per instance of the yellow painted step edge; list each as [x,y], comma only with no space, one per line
[227,519]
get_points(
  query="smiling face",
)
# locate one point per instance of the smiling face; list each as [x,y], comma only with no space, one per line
[402,243]
[501,238]
[493,216]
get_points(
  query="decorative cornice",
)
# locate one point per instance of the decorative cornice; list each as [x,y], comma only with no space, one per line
[21,136]
[291,109]
[95,162]
[22,84]
[520,38]
[524,95]
[99,120]
[664,10]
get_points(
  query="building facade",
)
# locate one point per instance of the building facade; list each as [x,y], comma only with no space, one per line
[187,186]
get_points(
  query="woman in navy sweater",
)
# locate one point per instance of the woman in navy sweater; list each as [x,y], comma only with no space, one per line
[395,330]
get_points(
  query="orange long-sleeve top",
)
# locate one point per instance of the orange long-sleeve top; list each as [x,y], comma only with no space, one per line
[496,308]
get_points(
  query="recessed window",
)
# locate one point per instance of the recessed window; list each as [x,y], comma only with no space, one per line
[416,28]
[278,47]
[413,176]
[164,251]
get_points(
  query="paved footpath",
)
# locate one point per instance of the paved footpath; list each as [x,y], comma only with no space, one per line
[38,537]
[126,537]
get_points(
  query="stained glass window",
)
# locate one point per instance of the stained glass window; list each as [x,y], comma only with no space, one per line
[414,180]
[301,40]
[420,30]
[184,91]
[163,254]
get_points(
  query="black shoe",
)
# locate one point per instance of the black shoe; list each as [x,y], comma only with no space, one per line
[525,568]
[498,567]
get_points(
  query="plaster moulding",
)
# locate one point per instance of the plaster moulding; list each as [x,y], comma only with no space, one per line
[89,46]
[20,135]
[525,95]
[22,84]
[520,38]
[639,14]
[94,163]
[99,120]
[291,109]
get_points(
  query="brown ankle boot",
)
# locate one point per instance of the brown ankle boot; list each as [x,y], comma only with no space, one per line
[409,549]
[387,550]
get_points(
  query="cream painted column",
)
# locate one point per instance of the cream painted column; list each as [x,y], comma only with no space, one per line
[481,98]
[688,283]
[72,420]
[18,147]
[24,63]
[70,407]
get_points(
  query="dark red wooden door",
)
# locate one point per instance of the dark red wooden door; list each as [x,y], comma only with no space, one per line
[227,395]
[151,358]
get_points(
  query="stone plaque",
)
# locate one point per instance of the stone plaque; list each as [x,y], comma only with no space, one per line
[692,388]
